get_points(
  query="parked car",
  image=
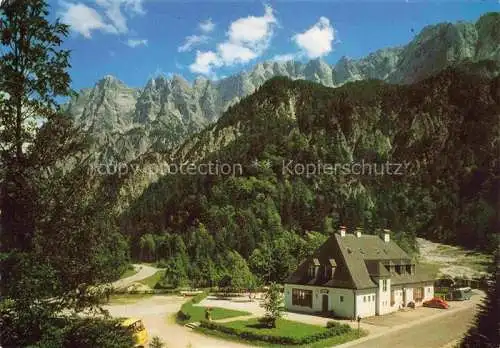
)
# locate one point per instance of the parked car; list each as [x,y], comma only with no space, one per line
[460,294]
[436,302]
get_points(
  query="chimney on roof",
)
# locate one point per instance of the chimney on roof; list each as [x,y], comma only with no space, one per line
[342,231]
[358,232]
[387,236]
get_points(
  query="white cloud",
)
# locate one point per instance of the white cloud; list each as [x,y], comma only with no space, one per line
[207,26]
[317,40]
[136,42]
[84,20]
[252,30]
[232,53]
[205,62]
[284,57]
[191,41]
[247,39]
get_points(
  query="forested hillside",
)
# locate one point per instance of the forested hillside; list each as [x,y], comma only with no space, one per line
[443,131]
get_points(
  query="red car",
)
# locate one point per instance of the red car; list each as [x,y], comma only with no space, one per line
[436,302]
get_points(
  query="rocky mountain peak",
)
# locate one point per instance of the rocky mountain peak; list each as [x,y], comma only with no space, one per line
[179,83]
[110,81]
[318,70]
[170,107]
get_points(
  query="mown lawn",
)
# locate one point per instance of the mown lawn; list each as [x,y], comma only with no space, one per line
[197,313]
[283,328]
[152,280]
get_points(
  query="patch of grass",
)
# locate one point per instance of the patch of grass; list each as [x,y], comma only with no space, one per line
[283,328]
[152,280]
[299,332]
[190,312]
[197,313]
[129,272]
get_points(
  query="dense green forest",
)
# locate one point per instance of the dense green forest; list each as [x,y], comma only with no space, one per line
[443,130]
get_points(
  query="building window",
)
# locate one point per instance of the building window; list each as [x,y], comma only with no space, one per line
[341,298]
[384,284]
[373,297]
[393,299]
[364,298]
[302,298]
[418,294]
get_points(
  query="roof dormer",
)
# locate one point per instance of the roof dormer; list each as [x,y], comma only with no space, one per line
[313,268]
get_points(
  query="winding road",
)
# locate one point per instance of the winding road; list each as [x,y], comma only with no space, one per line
[143,272]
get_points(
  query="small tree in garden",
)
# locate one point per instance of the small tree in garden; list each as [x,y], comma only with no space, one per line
[272,304]
[156,342]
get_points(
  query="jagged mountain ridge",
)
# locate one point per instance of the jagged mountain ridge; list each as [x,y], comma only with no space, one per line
[128,122]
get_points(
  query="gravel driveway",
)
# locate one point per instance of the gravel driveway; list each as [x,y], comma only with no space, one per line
[157,313]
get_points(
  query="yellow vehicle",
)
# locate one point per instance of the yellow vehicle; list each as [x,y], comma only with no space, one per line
[140,332]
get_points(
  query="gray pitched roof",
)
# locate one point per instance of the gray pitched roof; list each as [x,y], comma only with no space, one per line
[420,276]
[357,259]
[376,269]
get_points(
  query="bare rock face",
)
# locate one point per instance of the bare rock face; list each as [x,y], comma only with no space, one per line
[129,122]
[108,106]
[488,31]
[436,47]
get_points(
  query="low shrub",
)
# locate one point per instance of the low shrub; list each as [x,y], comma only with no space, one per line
[267,321]
[182,316]
[337,327]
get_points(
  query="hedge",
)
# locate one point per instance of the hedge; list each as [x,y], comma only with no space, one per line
[335,329]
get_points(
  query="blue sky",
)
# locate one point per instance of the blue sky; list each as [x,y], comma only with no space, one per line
[136,39]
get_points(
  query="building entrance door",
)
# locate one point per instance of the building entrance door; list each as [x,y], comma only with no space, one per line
[325,303]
